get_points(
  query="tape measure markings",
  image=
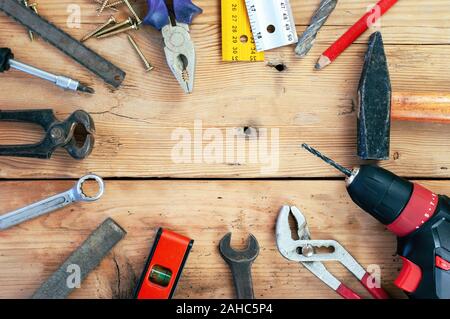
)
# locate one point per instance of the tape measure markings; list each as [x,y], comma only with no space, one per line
[272,23]
[238,43]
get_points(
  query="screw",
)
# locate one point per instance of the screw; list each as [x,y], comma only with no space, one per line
[109,6]
[105,2]
[128,21]
[33,7]
[115,3]
[148,66]
[109,34]
[138,20]
[30,33]
[111,20]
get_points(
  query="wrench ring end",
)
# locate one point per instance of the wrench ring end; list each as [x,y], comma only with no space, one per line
[82,195]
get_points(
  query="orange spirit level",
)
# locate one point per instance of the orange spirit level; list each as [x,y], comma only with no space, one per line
[164,266]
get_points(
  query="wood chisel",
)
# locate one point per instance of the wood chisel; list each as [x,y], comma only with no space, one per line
[238,43]
[107,71]
[87,257]
[272,23]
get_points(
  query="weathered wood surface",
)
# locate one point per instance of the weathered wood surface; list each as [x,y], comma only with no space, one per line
[204,211]
[134,140]
[135,123]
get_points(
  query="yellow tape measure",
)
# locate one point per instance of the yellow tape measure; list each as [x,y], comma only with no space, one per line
[237,38]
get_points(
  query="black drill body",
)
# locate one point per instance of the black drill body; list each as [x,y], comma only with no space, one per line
[385,196]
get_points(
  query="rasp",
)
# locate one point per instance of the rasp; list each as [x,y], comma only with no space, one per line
[85,258]
[110,73]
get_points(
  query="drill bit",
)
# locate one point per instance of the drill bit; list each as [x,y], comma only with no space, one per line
[327,160]
[317,21]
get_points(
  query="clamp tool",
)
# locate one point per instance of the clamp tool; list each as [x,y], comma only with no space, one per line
[172,18]
[57,134]
[303,250]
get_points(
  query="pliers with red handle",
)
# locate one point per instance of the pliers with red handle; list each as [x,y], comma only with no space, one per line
[303,250]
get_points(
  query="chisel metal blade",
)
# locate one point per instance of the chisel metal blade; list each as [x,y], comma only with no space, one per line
[374,99]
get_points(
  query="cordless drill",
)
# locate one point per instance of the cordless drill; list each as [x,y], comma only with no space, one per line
[420,219]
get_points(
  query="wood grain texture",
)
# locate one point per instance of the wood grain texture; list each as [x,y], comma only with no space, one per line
[134,140]
[135,123]
[204,211]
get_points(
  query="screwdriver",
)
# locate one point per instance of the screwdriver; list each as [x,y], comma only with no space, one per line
[7,61]
[419,218]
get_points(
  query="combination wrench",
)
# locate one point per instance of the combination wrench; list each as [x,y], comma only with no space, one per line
[45,206]
[240,263]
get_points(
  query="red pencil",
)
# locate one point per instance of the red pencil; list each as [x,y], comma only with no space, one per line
[354,32]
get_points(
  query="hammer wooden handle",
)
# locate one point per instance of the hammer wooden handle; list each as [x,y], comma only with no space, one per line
[421,107]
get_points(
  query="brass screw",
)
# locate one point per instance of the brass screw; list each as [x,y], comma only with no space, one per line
[34,6]
[115,3]
[109,34]
[30,33]
[119,25]
[99,28]
[148,66]
[108,6]
[138,20]
[105,2]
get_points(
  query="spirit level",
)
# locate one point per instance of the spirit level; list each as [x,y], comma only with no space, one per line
[237,38]
[164,266]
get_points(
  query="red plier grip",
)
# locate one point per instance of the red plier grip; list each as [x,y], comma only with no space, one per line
[347,293]
[376,292]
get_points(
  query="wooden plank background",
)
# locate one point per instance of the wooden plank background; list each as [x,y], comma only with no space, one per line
[134,128]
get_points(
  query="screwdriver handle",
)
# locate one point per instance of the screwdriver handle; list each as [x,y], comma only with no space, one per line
[158,12]
[5,55]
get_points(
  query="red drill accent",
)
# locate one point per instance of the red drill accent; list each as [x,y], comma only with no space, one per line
[420,208]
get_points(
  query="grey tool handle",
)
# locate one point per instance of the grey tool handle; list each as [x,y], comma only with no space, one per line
[242,277]
[87,257]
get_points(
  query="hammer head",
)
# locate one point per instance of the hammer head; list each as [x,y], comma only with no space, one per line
[374,99]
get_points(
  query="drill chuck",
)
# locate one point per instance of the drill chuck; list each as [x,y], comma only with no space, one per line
[379,192]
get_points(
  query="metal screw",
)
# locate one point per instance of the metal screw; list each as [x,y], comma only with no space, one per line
[119,25]
[148,66]
[30,33]
[115,3]
[99,28]
[107,6]
[138,20]
[105,2]
[109,34]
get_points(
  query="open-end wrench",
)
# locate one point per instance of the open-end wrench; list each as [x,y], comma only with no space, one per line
[75,194]
[240,263]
